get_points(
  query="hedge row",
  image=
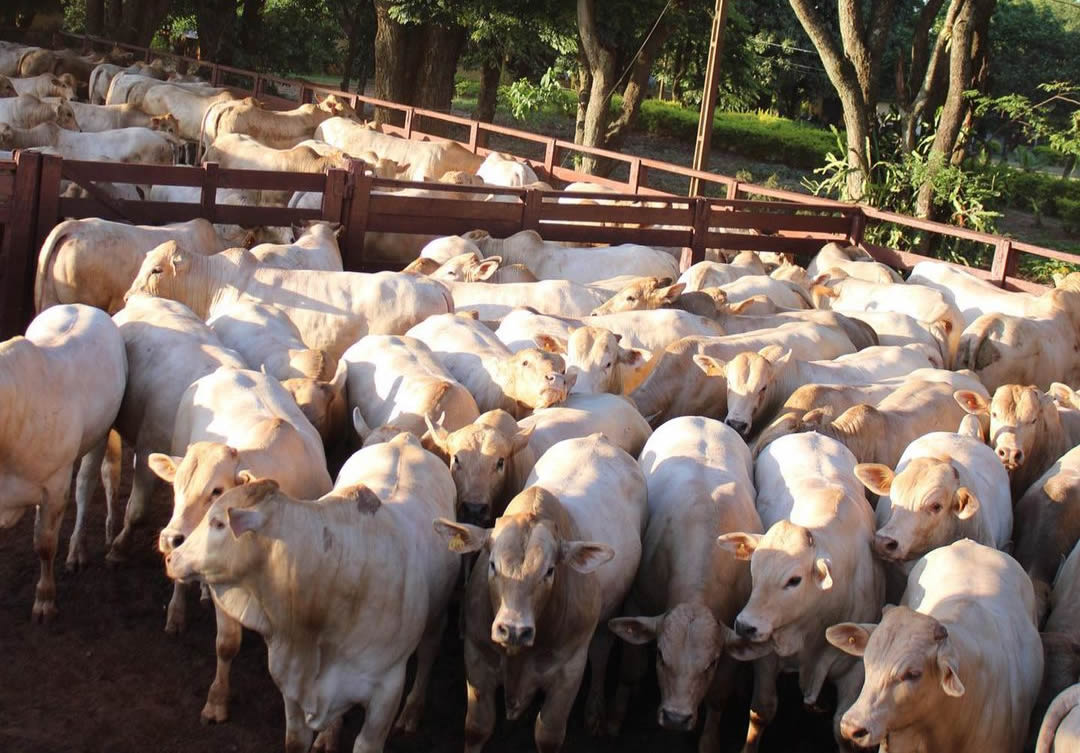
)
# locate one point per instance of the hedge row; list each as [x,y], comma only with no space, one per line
[1036,191]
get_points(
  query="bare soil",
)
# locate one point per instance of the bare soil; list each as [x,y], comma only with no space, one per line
[104,677]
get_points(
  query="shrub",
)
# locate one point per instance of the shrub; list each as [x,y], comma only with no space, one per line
[1024,189]
[1069,211]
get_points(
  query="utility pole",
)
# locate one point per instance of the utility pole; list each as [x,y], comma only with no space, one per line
[708,98]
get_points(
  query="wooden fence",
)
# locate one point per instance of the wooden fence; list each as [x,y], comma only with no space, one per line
[738,216]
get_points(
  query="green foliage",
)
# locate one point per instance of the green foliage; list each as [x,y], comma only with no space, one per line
[525,98]
[758,135]
[1069,209]
[74,16]
[1021,189]
[294,36]
[1055,117]
[1030,39]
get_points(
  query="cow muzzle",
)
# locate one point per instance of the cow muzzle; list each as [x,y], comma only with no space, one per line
[512,635]
[169,540]
[476,513]
[888,548]
[675,720]
[746,629]
[859,732]
[741,427]
[1010,457]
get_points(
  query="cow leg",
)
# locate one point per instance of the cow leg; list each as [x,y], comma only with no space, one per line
[599,652]
[142,487]
[110,479]
[631,669]
[176,614]
[86,482]
[229,634]
[481,680]
[724,682]
[764,702]
[380,711]
[46,538]
[327,740]
[426,653]
[550,728]
[297,734]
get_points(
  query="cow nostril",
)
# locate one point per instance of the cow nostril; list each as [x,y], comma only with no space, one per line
[177,540]
[891,545]
[860,734]
[1001,452]
[673,720]
[502,631]
[744,630]
[1019,456]
[527,634]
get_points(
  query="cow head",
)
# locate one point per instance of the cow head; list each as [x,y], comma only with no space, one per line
[480,457]
[65,116]
[63,86]
[322,403]
[751,382]
[928,505]
[1020,419]
[7,137]
[789,573]
[911,667]
[467,267]
[218,551]
[165,124]
[207,470]
[527,555]
[640,295]
[162,271]
[7,89]
[336,106]
[534,378]
[596,360]
[690,643]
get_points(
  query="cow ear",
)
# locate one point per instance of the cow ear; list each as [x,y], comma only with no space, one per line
[633,356]
[739,306]
[876,477]
[163,466]
[672,292]
[947,665]
[740,545]
[1062,394]
[972,402]
[360,426]
[244,477]
[244,519]
[341,374]
[439,435]
[775,355]
[488,267]
[966,503]
[823,573]
[709,365]
[585,556]
[462,538]
[636,630]
[850,637]
[177,261]
[551,344]
[521,438]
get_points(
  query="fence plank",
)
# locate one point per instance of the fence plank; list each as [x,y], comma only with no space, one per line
[357,218]
[702,210]
[48,210]
[999,269]
[19,248]
[208,196]
[333,198]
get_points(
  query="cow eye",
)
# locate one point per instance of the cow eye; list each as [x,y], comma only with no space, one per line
[793,581]
[607,365]
[454,461]
[631,298]
[217,524]
[550,572]
[491,567]
[762,390]
[525,362]
[935,508]
[911,675]
[156,271]
[500,464]
[216,492]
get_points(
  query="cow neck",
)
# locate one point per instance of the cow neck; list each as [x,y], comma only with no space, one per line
[213,284]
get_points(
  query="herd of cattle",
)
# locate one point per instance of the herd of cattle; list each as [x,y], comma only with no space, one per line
[745,465]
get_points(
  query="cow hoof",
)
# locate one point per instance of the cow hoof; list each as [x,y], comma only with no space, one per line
[44,611]
[174,627]
[326,742]
[116,556]
[408,722]
[214,713]
[77,558]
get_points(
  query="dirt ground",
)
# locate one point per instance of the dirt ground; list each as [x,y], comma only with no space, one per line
[104,677]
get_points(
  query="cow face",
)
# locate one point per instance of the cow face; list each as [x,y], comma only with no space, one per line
[199,479]
[911,666]
[467,267]
[526,559]
[7,89]
[165,124]
[65,116]
[323,403]
[222,547]
[534,378]
[641,295]
[161,272]
[751,383]
[1020,417]
[788,574]
[480,459]
[690,643]
[928,504]
[596,360]
[7,137]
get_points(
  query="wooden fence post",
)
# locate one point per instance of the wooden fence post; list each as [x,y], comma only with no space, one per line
[258,86]
[474,136]
[700,230]
[48,203]
[208,198]
[215,75]
[19,249]
[858,227]
[409,122]
[356,215]
[634,179]
[549,159]
[530,211]
[733,190]
[333,198]
[1003,262]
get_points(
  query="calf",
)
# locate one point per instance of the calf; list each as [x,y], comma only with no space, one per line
[596,359]
[555,567]
[698,474]
[936,677]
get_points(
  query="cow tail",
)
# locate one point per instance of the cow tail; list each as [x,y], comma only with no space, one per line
[42,283]
[1066,701]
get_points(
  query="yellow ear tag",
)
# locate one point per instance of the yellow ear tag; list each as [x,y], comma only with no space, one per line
[457,544]
[851,640]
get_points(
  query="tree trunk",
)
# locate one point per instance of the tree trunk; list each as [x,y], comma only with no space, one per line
[395,79]
[441,47]
[927,67]
[216,20]
[844,78]
[95,17]
[114,16]
[251,23]
[347,63]
[601,65]
[141,19]
[961,74]
[584,85]
[487,99]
